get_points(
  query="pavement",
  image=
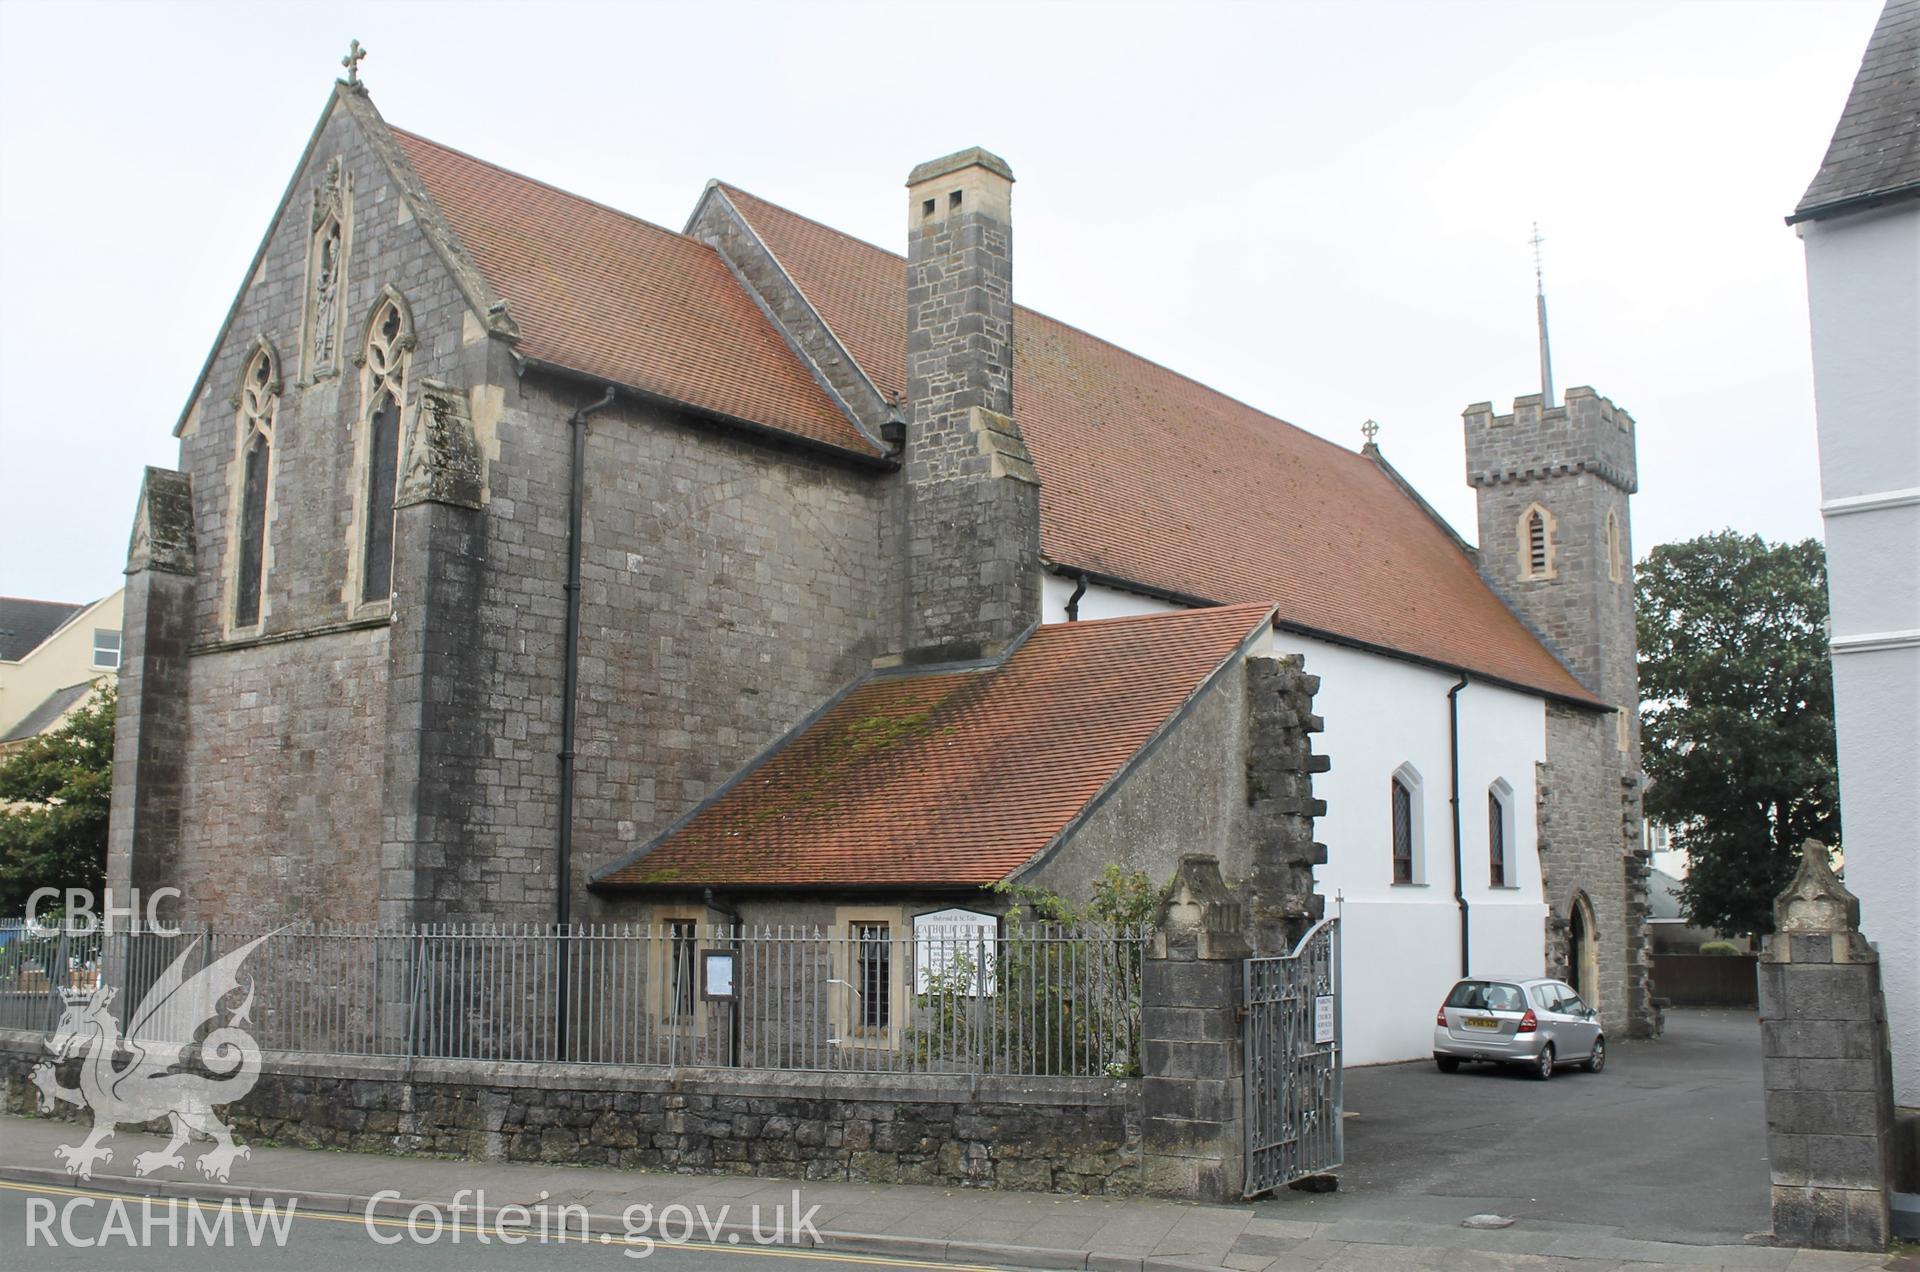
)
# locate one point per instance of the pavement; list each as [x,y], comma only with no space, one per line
[1594,1172]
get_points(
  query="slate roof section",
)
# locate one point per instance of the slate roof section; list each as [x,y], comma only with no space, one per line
[1875,153]
[25,625]
[949,777]
[612,296]
[1150,477]
[49,712]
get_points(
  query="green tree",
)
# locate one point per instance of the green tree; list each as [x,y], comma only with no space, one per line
[1737,716]
[54,792]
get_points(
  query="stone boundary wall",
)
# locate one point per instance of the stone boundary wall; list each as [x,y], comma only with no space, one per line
[1080,1135]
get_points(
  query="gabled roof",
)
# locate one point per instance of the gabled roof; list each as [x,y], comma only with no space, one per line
[1151,478]
[1875,153]
[609,295]
[950,777]
[25,625]
[49,713]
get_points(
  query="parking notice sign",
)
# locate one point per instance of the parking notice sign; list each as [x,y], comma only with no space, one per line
[1322,1019]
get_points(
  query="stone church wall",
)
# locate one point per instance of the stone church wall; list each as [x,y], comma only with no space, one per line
[281,792]
[281,799]
[730,588]
[310,531]
[1582,851]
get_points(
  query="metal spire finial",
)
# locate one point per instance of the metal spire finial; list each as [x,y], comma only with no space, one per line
[352,62]
[1371,430]
[1540,308]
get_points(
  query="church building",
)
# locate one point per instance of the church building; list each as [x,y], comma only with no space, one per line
[527,562]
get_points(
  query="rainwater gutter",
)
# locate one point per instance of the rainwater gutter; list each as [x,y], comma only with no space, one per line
[737,926]
[570,692]
[1459,875]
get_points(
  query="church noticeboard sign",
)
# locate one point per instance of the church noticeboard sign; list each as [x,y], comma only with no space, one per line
[716,974]
[955,949]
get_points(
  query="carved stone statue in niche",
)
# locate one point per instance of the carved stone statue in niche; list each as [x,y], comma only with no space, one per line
[332,213]
[326,299]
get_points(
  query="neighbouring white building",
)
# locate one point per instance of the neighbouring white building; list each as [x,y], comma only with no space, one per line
[1860,224]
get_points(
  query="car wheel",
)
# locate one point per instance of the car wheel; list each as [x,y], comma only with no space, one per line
[1447,1064]
[1598,1060]
[1543,1066]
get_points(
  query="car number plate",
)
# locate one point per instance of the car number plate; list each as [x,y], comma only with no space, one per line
[1482,1022]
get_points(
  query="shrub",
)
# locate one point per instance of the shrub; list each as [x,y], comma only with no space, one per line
[1720,947]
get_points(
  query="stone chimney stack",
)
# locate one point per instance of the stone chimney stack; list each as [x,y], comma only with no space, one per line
[973,497]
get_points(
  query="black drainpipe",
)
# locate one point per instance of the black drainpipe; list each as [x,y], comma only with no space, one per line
[1073,602]
[1459,876]
[563,869]
[733,1004]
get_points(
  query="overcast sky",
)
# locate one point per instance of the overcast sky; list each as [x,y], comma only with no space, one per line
[1322,209]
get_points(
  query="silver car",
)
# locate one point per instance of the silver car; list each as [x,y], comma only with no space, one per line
[1528,1020]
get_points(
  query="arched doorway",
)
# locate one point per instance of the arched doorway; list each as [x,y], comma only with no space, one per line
[1583,953]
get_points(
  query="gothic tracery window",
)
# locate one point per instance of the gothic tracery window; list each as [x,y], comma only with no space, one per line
[259,404]
[384,394]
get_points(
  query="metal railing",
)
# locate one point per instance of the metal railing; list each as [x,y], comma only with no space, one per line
[1022,1000]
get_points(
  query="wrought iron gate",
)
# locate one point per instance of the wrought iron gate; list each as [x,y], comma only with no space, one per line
[1292,1043]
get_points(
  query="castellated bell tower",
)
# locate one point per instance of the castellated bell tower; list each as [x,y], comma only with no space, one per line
[1553,486]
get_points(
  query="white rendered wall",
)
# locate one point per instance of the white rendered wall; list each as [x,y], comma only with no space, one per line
[1099,602]
[1401,945]
[1863,298]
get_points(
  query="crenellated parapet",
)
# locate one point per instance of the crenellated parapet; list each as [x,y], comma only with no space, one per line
[1534,442]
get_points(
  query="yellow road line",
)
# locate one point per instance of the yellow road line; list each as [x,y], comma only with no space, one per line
[606,1239]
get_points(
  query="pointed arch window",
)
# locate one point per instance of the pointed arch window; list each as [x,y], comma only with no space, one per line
[1500,868]
[1616,554]
[1408,836]
[386,354]
[1536,543]
[259,409]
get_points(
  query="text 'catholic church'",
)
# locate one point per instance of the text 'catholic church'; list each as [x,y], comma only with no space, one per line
[528,562]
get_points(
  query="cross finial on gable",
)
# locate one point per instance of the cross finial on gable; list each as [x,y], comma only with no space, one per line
[352,62]
[1370,430]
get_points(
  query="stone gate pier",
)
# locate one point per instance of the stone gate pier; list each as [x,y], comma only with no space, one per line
[1827,1067]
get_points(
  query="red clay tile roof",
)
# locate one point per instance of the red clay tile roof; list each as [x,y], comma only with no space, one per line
[1153,478]
[950,777]
[610,295]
